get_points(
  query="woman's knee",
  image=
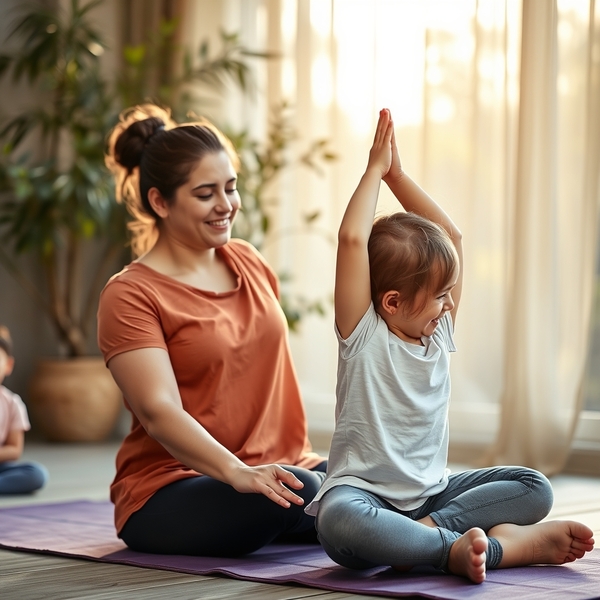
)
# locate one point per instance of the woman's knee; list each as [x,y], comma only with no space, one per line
[312,481]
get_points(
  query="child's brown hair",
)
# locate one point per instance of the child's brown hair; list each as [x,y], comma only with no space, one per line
[5,340]
[408,253]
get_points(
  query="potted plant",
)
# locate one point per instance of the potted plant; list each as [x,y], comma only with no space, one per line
[57,207]
[58,200]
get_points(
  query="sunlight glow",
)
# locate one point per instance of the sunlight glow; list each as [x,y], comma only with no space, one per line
[563,84]
[355,77]
[396,53]
[442,108]
[321,76]
[288,33]
[580,7]
[320,17]
[288,19]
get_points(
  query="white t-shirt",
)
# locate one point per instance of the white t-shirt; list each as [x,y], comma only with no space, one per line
[13,414]
[391,435]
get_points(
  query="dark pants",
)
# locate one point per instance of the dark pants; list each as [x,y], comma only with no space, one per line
[202,516]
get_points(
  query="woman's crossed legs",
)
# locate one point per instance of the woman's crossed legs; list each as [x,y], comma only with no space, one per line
[202,516]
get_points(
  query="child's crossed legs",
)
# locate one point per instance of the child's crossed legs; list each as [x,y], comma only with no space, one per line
[360,530]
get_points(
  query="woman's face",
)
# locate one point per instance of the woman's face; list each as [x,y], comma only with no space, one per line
[204,208]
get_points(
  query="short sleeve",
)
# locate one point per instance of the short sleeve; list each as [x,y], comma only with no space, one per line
[20,417]
[13,413]
[127,320]
[447,331]
[361,335]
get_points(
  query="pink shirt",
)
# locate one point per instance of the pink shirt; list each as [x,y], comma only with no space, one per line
[13,414]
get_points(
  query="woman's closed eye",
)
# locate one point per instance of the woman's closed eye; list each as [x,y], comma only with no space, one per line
[210,195]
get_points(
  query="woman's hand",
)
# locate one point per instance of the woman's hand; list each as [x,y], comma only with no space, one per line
[269,480]
[380,155]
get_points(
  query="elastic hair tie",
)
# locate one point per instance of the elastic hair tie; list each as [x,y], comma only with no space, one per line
[159,128]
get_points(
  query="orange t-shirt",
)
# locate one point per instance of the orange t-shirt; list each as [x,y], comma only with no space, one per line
[232,362]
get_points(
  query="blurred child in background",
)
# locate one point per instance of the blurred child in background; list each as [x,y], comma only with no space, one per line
[15,477]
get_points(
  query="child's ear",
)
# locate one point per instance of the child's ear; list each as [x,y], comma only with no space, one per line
[158,203]
[390,302]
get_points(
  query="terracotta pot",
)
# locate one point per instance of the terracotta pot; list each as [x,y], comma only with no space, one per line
[74,399]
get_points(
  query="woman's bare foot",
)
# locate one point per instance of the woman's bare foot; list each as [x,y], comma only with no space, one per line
[467,555]
[550,542]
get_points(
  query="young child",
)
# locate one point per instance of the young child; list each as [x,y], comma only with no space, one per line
[15,477]
[388,498]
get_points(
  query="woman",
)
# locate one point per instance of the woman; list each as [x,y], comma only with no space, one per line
[194,336]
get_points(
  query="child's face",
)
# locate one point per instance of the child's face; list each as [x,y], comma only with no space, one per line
[412,327]
[437,305]
[6,365]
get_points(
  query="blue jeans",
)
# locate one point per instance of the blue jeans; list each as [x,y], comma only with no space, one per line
[360,530]
[22,477]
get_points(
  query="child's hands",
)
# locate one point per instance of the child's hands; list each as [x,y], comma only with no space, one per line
[395,170]
[380,155]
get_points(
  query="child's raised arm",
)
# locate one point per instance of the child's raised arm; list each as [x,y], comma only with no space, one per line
[414,199]
[352,294]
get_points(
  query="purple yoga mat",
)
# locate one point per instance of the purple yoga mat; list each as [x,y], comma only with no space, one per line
[85,529]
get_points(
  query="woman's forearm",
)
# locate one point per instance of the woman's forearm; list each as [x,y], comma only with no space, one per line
[187,441]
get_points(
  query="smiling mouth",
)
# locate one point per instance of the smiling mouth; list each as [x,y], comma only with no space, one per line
[219,223]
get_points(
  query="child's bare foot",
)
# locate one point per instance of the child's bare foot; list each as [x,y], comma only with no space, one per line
[467,555]
[550,542]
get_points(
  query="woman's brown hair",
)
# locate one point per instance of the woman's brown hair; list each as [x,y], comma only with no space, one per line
[147,149]
[408,253]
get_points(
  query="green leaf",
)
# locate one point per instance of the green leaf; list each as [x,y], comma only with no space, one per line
[88,228]
[309,218]
[134,55]
[23,189]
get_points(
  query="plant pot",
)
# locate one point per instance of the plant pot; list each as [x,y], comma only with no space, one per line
[74,399]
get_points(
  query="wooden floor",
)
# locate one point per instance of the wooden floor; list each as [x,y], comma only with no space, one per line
[85,471]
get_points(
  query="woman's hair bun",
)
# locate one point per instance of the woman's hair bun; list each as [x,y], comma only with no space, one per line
[130,144]
[126,141]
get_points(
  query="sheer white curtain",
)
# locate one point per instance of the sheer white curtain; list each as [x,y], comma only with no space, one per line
[504,135]
[555,233]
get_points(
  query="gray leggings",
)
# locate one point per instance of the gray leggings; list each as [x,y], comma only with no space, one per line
[359,530]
